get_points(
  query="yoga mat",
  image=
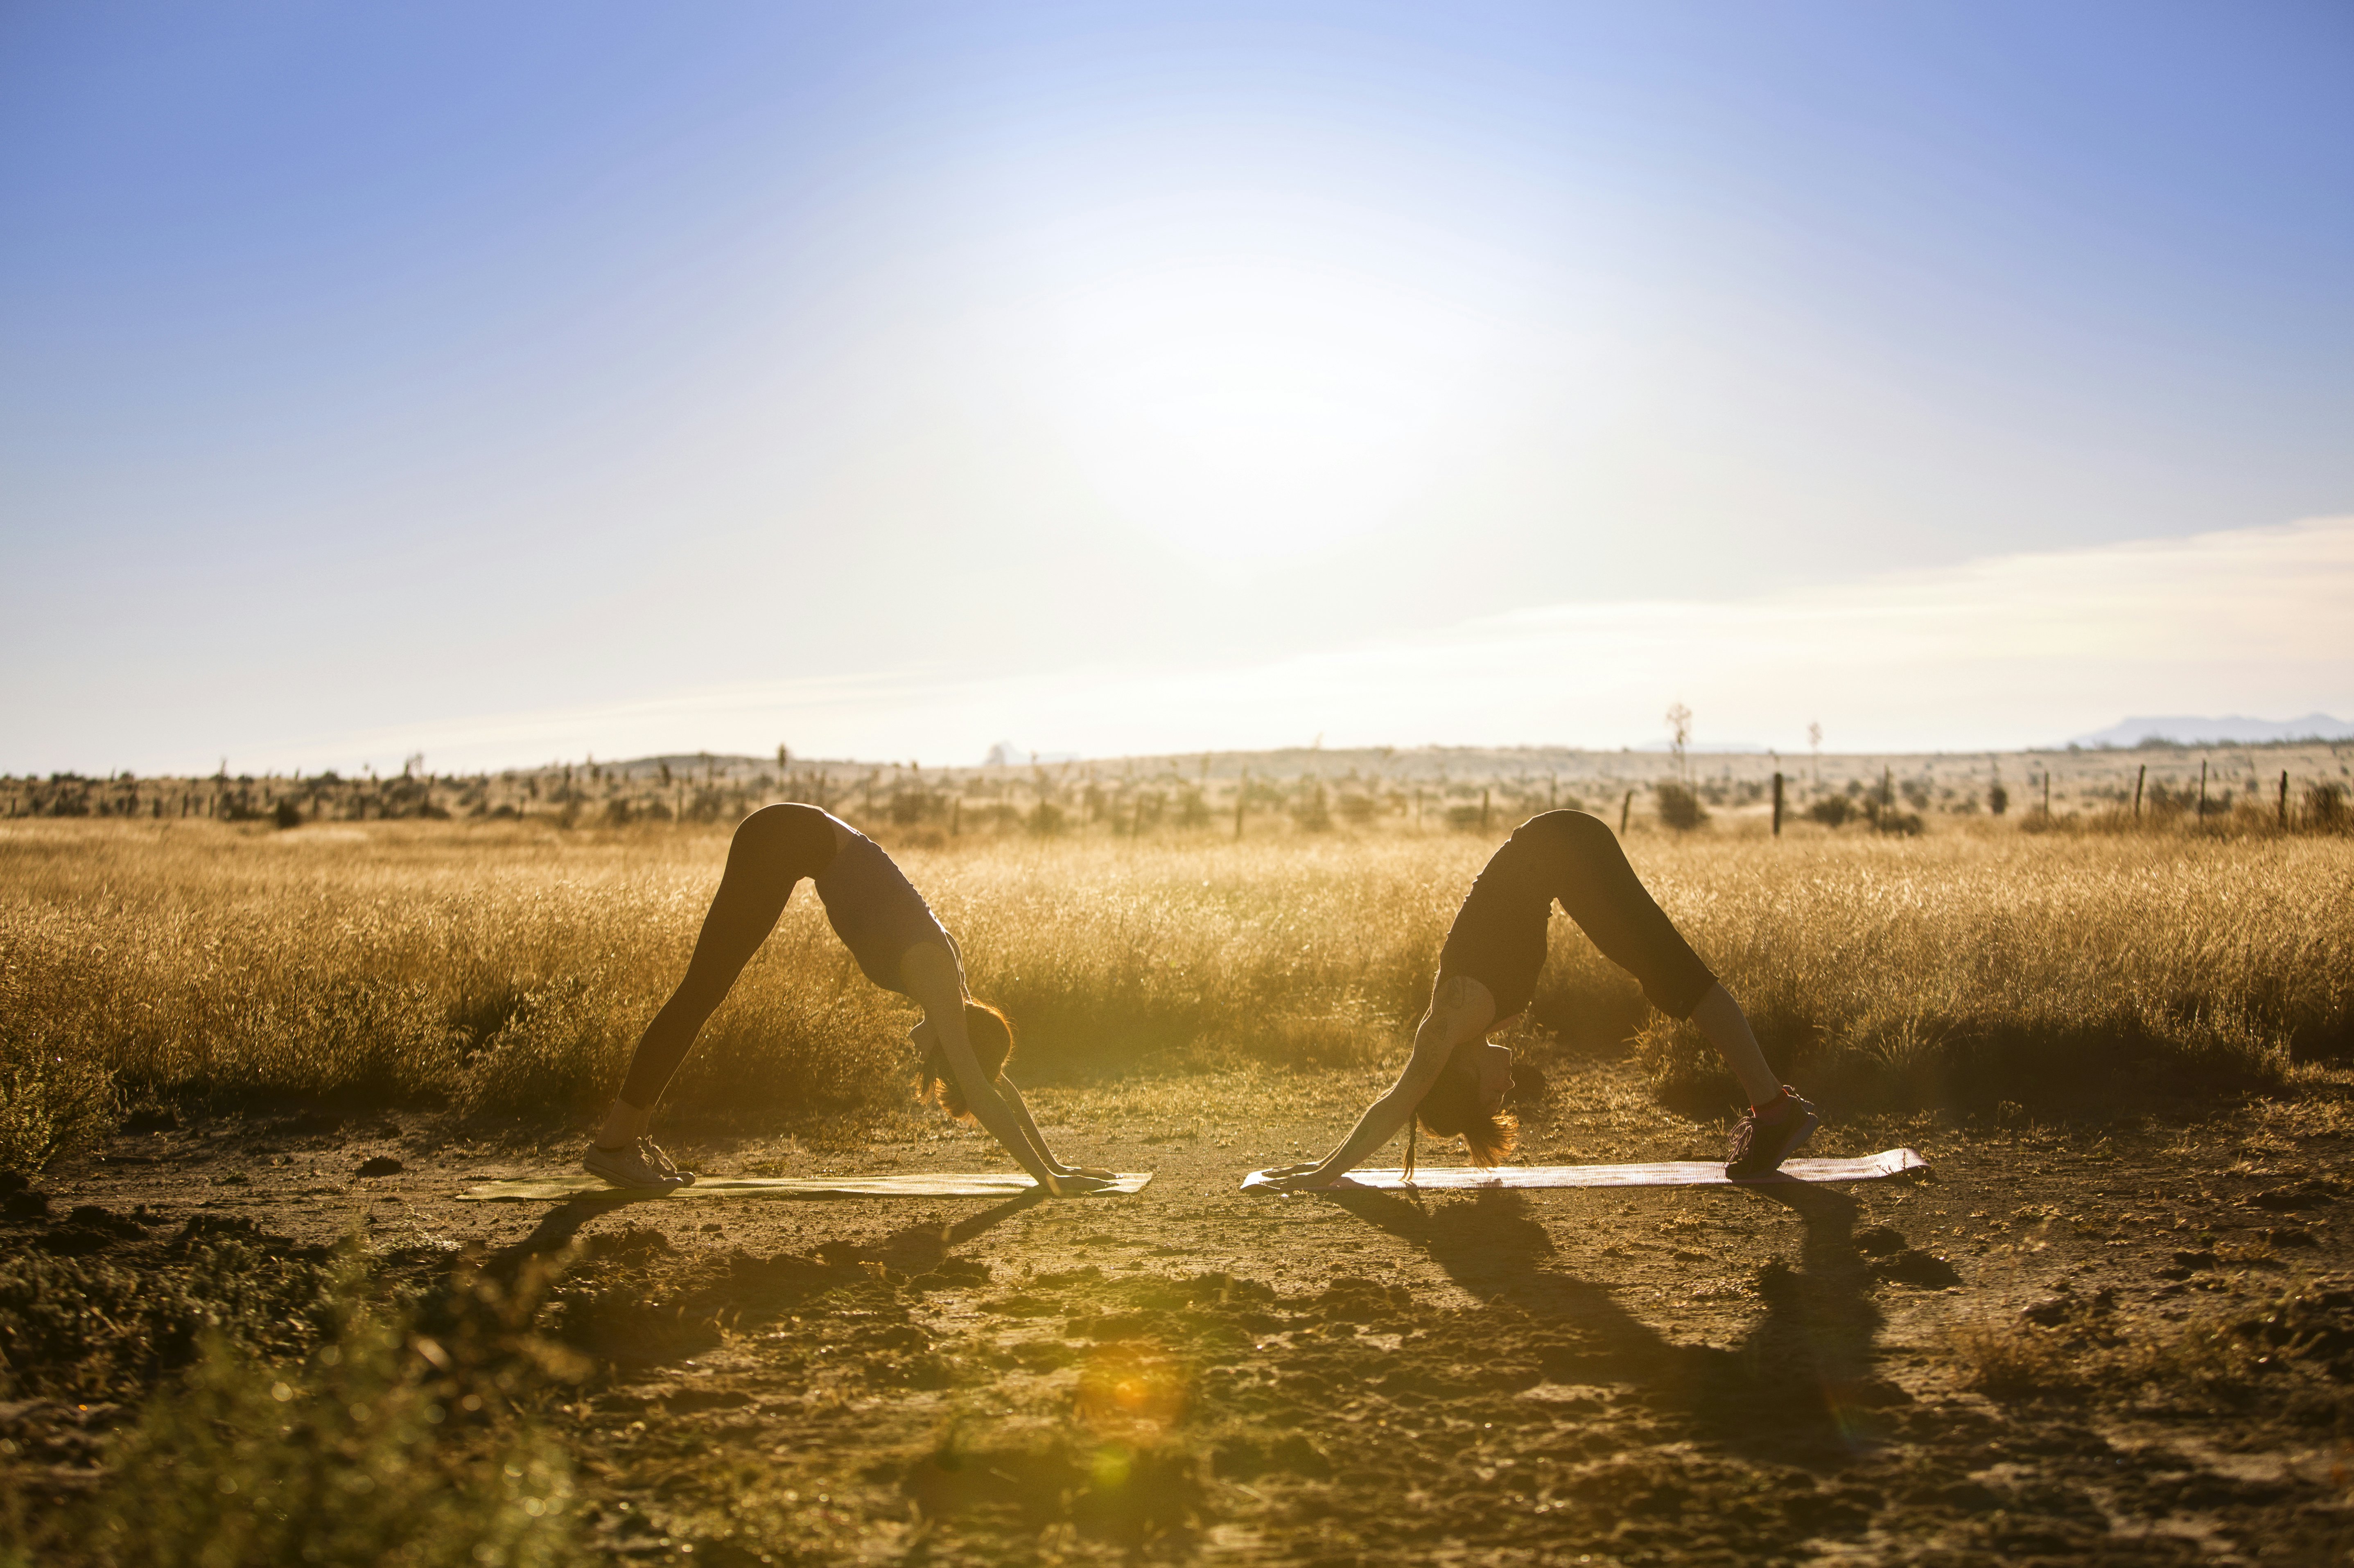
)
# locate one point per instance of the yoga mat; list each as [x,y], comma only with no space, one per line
[912,1184]
[1667,1173]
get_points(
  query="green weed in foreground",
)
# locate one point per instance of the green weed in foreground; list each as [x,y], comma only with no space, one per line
[507,969]
[370,1448]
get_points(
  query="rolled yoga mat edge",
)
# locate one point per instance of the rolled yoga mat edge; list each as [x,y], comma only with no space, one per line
[1665,1173]
[908,1185]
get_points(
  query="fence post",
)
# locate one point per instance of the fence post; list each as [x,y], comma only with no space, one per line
[2047,793]
[1242,794]
[2202,789]
[1777,805]
[1483,811]
[2284,798]
[1625,808]
[2139,778]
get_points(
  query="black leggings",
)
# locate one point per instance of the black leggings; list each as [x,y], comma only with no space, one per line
[1499,936]
[774,848]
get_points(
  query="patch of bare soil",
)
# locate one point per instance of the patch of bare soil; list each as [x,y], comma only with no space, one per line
[2129,1344]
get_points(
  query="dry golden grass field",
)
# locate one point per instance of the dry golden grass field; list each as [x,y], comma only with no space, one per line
[245,1070]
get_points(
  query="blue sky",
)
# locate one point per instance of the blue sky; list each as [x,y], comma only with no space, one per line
[509,382]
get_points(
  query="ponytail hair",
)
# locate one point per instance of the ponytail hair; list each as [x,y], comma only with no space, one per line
[1451,1109]
[991,1034]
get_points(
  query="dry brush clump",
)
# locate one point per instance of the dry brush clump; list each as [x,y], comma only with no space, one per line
[506,968]
[2289,1346]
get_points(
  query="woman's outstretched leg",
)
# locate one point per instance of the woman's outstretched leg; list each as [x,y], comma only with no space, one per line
[1578,860]
[774,848]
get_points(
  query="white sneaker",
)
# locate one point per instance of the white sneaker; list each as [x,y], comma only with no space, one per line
[640,1164]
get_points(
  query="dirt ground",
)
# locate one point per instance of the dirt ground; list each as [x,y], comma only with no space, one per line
[2124,1342]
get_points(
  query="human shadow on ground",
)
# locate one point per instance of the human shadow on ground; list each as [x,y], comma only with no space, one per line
[913,1249]
[552,1235]
[632,1297]
[921,1249]
[1789,1388]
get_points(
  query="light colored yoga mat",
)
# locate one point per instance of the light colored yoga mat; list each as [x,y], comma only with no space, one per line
[912,1184]
[1667,1173]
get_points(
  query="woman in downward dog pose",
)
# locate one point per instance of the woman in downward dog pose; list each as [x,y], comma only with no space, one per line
[1455,1083]
[892,932]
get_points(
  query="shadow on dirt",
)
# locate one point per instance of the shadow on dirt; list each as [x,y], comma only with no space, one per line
[629,1296]
[1796,1388]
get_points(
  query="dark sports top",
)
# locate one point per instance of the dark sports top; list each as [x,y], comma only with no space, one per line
[875,910]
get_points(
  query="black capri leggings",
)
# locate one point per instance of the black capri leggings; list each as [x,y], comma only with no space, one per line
[774,848]
[1499,936]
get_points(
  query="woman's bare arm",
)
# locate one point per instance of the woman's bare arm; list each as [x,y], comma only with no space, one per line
[1011,1094]
[1461,1009]
[930,975]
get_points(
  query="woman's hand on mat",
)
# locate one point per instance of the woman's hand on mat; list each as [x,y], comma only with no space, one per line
[1077,1183]
[1096,1173]
[1293,1178]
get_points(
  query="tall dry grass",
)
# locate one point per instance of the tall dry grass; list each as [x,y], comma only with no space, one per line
[506,968]
[1967,966]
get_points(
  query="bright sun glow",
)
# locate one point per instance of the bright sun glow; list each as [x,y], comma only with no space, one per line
[1256,406]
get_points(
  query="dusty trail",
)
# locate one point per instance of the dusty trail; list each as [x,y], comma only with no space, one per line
[1192,1373]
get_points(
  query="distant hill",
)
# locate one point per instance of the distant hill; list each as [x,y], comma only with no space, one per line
[2230,730]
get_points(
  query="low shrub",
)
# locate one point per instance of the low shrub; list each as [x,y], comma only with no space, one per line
[1679,808]
[1832,811]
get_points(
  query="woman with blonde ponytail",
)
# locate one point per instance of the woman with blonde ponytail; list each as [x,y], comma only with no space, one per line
[1456,1081]
[899,945]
